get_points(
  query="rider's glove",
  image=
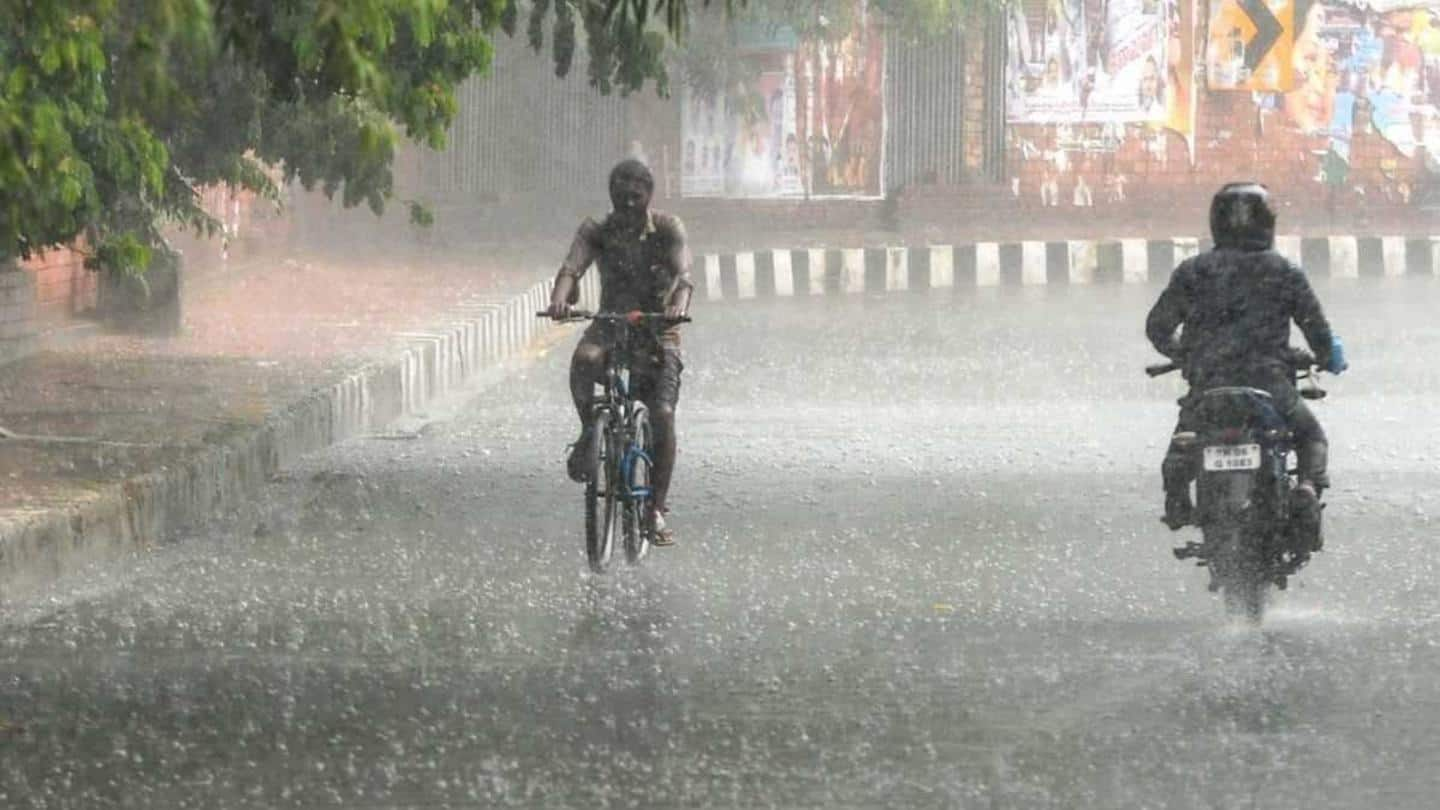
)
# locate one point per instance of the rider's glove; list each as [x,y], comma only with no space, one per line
[1336,363]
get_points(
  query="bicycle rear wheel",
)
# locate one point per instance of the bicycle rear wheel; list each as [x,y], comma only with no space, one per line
[638,480]
[601,506]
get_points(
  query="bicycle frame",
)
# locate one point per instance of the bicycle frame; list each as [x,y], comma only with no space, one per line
[617,397]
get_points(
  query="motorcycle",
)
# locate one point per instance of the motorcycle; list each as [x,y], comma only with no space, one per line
[1241,454]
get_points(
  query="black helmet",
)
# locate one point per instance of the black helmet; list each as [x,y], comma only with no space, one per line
[1241,216]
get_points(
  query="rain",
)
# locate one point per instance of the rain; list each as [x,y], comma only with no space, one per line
[919,558]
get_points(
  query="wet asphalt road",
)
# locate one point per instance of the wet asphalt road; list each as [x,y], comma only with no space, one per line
[920,566]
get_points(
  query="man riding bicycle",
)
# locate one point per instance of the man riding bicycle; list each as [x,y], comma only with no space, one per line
[1233,306]
[644,265]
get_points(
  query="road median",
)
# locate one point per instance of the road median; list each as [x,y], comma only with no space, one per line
[955,267]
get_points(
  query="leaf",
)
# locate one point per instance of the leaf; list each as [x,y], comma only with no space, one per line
[420,215]
[564,41]
[536,30]
[509,17]
[50,58]
[70,191]
[119,109]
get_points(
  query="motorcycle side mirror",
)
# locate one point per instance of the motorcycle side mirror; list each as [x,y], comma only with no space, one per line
[1312,393]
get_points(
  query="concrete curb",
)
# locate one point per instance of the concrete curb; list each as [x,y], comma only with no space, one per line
[827,271]
[41,546]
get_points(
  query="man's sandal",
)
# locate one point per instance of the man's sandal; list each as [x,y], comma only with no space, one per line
[661,535]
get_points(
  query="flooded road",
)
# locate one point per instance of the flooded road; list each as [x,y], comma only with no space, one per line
[919,565]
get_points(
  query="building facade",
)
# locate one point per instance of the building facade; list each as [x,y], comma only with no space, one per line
[1050,116]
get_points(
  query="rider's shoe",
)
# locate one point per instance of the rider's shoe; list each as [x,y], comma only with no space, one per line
[577,465]
[661,535]
[1179,511]
[1305,517]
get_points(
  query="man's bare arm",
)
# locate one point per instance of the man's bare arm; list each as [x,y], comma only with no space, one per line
[677,303]
[567,281]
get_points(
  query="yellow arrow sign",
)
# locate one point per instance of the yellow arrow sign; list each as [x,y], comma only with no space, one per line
[1251,45]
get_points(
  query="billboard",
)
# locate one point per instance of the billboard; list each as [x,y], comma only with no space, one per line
[800,117]
[1100,61]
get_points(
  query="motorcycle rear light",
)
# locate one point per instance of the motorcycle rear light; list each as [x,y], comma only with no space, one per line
[1231,435]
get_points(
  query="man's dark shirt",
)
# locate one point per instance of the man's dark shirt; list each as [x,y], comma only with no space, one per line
[1236,307]
[637,270]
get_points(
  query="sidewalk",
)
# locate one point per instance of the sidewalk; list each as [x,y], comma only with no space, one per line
[112,442]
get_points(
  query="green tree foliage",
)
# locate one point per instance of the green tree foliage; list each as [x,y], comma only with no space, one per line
[114,112]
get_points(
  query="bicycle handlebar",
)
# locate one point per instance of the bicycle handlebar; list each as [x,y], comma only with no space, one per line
[628,317]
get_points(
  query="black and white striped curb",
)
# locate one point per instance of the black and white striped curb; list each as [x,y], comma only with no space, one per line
[822,271]
[40,544]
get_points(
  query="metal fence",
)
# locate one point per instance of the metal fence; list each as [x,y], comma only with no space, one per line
[522,130]
[925,110]
[993,156]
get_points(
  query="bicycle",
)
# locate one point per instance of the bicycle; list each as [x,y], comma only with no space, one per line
[618,494]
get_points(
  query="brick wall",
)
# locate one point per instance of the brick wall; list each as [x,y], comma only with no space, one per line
[63,287]
[39,294]
[1164,193]
[53,288]
[1234,140]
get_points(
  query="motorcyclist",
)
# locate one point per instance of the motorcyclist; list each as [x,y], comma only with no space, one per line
[644,265]
[1233,306]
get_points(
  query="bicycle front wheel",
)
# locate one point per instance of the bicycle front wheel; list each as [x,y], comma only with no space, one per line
[601,502]
[638,482]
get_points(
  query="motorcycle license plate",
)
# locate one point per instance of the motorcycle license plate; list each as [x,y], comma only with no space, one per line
[1223,457]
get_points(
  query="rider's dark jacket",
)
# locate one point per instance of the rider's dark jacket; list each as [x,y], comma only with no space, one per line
[1235,304]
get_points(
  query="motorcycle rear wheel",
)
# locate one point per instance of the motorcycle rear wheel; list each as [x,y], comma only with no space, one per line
[1239,569]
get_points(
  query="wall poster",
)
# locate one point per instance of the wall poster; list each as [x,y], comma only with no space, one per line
[806,118]
[1101,61]
[1380,63]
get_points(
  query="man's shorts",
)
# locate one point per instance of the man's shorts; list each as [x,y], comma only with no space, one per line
[654,370]
[654,380]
